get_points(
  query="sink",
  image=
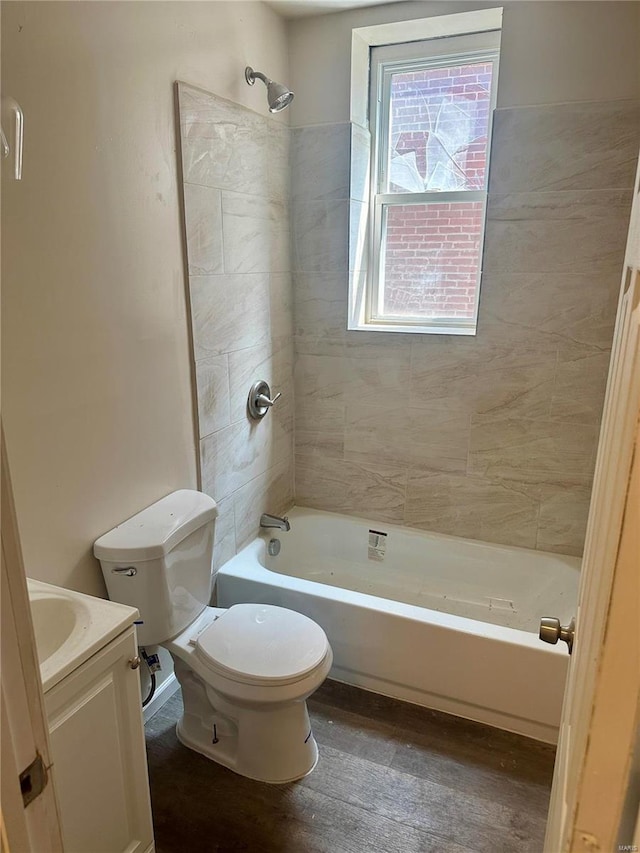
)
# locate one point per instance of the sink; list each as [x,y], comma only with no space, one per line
[69,627]
[56,620]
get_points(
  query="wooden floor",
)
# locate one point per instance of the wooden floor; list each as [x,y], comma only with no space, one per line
[392,778]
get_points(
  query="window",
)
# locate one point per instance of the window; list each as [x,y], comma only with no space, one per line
[430,120]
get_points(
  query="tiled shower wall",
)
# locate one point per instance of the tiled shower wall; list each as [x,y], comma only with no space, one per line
[236,192]
[491,437]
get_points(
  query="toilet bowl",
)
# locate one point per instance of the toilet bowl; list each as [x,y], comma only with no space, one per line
[245,674]
[245,671]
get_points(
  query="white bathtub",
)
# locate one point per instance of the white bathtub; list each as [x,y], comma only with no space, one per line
[447,623]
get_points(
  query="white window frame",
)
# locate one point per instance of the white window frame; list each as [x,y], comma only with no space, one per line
[423,42]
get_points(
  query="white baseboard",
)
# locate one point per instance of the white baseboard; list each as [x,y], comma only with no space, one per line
[163,693]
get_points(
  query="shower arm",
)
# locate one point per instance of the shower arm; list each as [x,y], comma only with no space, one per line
[251,75]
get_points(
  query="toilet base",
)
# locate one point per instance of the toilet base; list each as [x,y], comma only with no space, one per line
[274,745]
[209,751]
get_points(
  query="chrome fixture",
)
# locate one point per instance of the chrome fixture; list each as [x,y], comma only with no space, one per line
[128,571]
[551,631]
[273,547]
[9,105]
[259,401]
[267,520]
[278,95]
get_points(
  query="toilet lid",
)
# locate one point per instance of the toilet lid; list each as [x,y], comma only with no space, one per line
[261,643]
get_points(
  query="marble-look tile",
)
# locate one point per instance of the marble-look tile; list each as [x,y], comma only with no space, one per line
[360,163]
[319,377]
[471,507]
[256,234]
[319,427]
[562,524]
[269,492]
[229,312]
[372,345]
[212,384]
[580,384]
[565,147]
[203,223]
[203,107]
[355,488]
[320,235]
[578,307]
[320,304]
[224,540]
[223,145]
[272,361]
[320,162]
[320,344]
[381,381]
[234,456]
[494,375]
[533,451]
[281,302]
[573,232]
[436,438]
[242,316]
[278,169]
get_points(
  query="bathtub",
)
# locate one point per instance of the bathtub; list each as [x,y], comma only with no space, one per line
[447,623]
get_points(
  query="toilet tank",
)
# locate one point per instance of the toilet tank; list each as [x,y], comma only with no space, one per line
[160,562]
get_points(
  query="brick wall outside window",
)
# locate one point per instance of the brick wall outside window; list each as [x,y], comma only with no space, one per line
[432,251]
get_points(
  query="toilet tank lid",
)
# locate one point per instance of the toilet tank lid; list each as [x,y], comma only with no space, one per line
[155,531]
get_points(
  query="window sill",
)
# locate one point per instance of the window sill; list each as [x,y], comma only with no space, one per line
[414,328]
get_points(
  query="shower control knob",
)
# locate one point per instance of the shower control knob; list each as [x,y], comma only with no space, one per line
[260,401]
[263,400]
[551,631]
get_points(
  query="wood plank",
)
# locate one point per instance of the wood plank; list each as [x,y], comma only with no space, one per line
[395,778]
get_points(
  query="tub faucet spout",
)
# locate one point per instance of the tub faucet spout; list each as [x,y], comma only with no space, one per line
[267,520]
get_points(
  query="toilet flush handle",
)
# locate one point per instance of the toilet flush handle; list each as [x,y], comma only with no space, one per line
[128,571]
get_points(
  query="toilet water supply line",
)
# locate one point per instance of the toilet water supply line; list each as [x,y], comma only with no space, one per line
[18,141]
[153,665]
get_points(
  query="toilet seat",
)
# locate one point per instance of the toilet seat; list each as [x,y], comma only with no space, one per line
[262,645]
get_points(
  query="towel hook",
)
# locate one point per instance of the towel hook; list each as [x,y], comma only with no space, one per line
[18,142]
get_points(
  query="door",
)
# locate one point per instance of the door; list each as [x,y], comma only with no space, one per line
[597,746]
[29,818]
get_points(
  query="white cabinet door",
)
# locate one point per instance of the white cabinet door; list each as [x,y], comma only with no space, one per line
[98,751]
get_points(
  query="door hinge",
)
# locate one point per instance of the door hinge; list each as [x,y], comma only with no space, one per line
[33,780]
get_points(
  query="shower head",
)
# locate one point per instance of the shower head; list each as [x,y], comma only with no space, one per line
[278,95]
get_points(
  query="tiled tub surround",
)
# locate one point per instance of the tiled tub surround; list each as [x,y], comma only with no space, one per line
[235,167]
[490,437]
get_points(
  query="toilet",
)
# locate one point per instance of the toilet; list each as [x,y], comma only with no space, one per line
[245,671]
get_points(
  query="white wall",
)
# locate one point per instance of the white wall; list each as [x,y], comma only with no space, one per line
[97,400]
[551,52]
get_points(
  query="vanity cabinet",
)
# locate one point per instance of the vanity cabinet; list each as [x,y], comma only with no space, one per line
[98,750]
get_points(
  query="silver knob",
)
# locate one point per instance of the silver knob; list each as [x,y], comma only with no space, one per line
[551,631]
[128,571]
[263,400]
[134,663]
[260,401]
